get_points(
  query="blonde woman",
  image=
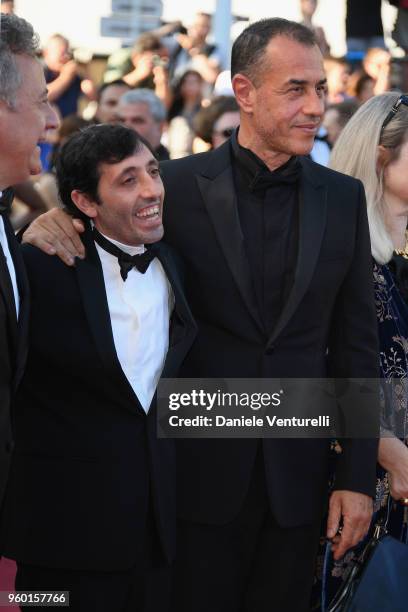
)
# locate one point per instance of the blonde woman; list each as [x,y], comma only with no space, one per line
[373,147]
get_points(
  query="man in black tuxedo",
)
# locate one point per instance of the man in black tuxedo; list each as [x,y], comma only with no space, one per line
[90,503]
[280,283]
[279,279]
[25,115]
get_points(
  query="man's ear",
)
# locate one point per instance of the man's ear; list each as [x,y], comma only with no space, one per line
[245,92]
[383,157]
[84,203]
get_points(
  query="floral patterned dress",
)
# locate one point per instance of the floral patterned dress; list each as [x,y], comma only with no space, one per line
[392,317]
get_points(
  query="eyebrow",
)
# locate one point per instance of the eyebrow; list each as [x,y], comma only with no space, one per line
[305,82]
[137,169]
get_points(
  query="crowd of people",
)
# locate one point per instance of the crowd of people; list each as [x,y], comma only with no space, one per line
[185,71]
[279,251]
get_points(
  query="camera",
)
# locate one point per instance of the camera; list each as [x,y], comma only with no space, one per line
[160,61]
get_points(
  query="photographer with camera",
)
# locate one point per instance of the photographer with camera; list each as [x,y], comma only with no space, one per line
[144,66]
[191,50]
[65,81]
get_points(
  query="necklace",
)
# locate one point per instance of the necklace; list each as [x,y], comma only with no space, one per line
[403,252]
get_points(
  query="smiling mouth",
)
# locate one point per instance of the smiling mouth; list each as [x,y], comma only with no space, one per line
[149,212]
[308,127]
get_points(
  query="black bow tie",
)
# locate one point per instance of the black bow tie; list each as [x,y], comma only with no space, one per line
[126,261]
[264,179]
[6,200]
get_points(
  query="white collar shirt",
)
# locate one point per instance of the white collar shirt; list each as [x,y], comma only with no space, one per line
[139,309]
[10,265]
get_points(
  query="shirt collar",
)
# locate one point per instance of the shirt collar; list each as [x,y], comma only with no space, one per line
[252,164]
[127,248]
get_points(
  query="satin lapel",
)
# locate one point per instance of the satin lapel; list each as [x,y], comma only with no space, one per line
[178,350]
[24,309]
[92,289]
[170,267]
[312,223]
[6,288]
[218,193]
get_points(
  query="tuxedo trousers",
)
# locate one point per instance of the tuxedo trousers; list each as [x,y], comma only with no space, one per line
[248,565]
[142,588]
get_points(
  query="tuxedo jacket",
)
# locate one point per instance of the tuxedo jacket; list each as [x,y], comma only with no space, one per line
[13,345]
[87,462]
[326,328]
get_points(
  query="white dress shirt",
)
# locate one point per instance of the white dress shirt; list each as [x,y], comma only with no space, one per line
[139,310]
[10,264]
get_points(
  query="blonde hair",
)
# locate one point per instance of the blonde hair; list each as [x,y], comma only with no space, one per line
[356,153]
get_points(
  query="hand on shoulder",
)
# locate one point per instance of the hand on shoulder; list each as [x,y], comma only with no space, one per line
[56,233]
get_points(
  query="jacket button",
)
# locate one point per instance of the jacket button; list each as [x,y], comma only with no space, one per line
[270,350]
[9,446]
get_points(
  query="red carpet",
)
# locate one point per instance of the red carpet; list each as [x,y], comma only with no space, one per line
[7,574]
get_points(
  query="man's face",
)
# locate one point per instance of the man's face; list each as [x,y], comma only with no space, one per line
[56,54]
[131,200]
[108,102]
[285,110]
[25,125]
[138,117]
[7,7]
[200,29]
[308,7]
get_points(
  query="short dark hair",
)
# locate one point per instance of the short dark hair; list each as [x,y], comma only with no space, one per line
[78,164]
[249,48]
[117,82]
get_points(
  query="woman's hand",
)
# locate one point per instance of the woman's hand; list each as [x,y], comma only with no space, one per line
[393,456]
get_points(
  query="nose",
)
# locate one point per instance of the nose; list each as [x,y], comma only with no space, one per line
[314,104]
[51,120]
[151,187]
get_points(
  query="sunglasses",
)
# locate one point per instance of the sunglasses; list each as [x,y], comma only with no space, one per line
[225,133]
[403,99]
